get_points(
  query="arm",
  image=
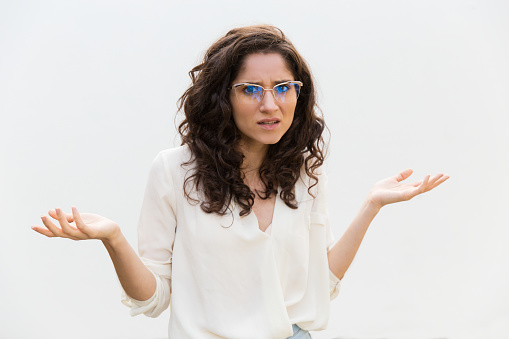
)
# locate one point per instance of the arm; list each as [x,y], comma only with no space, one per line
[141,278]
[384,192]
[135,278]
[342,253]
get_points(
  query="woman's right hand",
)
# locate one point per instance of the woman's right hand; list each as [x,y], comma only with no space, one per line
[78,226]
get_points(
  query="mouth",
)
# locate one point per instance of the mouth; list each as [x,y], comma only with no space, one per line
[269,124]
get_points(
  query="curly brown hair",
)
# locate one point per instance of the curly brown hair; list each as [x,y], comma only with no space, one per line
[209,130]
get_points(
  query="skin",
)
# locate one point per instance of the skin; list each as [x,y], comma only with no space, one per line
[266,70]
[384,192]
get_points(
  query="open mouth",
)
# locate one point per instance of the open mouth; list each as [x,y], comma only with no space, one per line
[268,122]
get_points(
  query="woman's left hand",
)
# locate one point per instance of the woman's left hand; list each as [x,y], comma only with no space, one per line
[391,190]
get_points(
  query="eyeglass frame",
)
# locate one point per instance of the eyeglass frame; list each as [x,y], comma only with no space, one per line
[269,89]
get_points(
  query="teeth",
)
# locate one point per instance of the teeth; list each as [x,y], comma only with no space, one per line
[269,123]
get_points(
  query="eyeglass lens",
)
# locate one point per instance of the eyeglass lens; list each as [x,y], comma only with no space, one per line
[285,92]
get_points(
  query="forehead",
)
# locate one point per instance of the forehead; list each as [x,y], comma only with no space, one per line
[264,67]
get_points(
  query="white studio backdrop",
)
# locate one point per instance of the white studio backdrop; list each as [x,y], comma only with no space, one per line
[87,99]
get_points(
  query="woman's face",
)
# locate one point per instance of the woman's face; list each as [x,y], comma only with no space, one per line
[265,122]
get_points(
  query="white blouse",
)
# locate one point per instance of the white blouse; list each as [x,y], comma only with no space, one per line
[223,276]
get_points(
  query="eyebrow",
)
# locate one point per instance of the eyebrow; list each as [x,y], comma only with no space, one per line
[260,84]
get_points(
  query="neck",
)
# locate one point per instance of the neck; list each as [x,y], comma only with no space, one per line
[253,159]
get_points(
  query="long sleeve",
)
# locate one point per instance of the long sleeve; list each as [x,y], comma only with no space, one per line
[322,207]
[222,276]
[156,235]
[334,282]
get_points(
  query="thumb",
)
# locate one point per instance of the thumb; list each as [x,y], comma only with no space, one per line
[404,174]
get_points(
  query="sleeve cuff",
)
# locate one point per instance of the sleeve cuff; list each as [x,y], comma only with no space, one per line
[134,304]
[160,300]
[334,285]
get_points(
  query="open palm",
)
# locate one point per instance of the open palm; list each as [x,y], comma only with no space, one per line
[391,190]
[78,226]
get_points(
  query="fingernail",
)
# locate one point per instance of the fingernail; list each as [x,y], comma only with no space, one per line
[74,209]
[33,227]
[57,210]
[43,218]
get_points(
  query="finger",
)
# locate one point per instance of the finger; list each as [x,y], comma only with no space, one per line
[404,174]
[72,232]
[43,231]
[439,181]
[62,219]
[417,183]
[53,228]
[68,217]
[79,222]
[427,184]
[422,187]
[432,181]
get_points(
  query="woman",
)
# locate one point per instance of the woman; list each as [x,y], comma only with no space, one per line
[234,228]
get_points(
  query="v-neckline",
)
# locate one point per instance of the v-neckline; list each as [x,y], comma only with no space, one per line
[274,216]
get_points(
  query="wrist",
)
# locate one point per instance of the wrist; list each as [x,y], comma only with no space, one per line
[114,238]
[372,205]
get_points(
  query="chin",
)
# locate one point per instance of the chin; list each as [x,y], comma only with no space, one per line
[272,141]
[263,139]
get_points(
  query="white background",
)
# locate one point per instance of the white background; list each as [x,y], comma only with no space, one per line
[87,99]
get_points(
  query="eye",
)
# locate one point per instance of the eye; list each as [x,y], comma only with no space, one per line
[251,89]
[283,88]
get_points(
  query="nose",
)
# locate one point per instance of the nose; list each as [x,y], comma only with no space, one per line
[268,103]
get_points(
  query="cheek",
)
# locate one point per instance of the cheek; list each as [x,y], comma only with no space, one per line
[290,118]
[235,110]
[236,113]
[291,113]
[242,112]
[240,117]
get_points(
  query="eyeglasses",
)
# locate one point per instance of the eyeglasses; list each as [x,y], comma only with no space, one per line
[284,92]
